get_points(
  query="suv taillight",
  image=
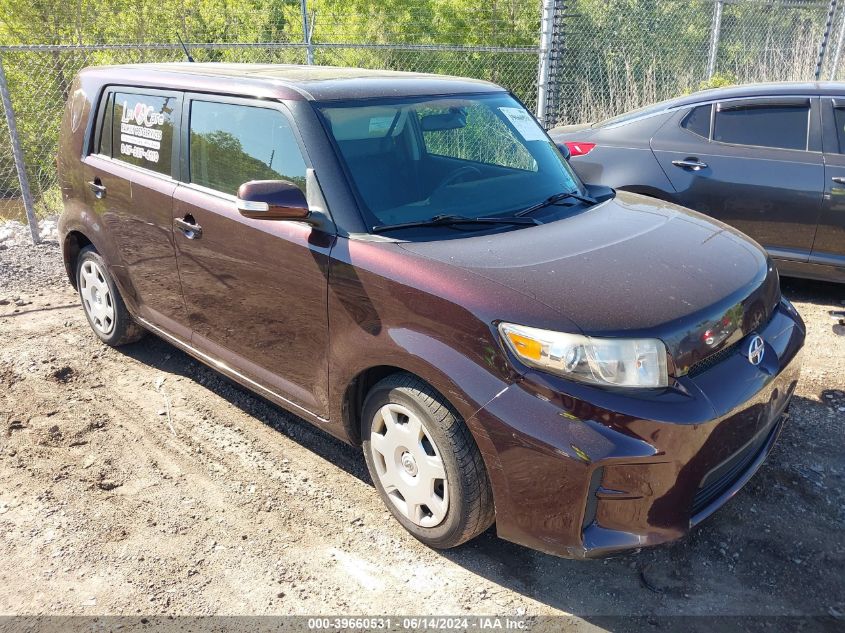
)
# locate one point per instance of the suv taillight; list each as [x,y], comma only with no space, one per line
[576,148]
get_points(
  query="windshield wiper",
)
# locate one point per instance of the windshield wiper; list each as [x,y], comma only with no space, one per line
[446,220]
[558,197]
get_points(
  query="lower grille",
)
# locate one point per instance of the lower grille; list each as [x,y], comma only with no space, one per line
[728,472]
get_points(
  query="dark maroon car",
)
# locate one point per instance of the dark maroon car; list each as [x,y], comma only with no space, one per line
[408,262]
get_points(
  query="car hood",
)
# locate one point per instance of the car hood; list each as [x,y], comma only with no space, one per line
[631,266]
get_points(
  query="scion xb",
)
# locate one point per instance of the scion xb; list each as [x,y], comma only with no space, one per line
[408,262]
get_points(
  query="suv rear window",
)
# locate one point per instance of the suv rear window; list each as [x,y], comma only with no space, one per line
[779,126]
[232,144]
[142,130]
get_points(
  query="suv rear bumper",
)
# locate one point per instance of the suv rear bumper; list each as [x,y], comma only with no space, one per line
[584,472]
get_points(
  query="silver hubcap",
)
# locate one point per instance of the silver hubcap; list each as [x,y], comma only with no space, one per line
[409,466]
[96,297]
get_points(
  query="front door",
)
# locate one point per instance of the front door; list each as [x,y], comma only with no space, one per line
[129,176]
[256,290]
[752,164]
[829,247]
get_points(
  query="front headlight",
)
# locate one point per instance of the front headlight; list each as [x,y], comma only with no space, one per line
[637,362]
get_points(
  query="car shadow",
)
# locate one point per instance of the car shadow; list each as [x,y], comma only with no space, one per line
[820,293]
[810,291]
[159,354]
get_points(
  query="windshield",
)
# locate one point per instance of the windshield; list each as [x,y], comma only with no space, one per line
[414,159]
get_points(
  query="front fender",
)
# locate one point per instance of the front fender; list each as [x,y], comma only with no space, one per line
[467,385]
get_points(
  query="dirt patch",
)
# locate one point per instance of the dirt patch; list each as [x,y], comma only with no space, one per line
[137,481]
[62,374]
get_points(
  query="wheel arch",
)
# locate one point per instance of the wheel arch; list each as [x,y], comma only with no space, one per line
[72,245]
[436,376]
[356,392]
[358,387]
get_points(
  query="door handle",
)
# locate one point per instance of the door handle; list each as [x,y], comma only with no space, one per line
[692,164]
[190,228]
[839,180]
[97,188]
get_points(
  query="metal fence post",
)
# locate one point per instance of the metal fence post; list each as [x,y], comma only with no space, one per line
[545,58]
[306,32]
[825,38]
[715,33]
[837,53]
[17,153]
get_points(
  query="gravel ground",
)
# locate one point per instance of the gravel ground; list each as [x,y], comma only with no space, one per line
[137,481]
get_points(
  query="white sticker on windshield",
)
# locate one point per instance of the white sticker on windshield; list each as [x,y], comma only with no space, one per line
[524,124]
[380,124]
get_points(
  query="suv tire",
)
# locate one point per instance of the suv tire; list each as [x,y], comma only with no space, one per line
[425,463]
[104,307]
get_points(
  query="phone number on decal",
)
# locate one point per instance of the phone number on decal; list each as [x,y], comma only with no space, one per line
[139,152]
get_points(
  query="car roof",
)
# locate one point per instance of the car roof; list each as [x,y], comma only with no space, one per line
[766,89]
[320,83]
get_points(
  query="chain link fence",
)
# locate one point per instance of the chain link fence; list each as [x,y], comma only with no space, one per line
[614,61]
[577,60]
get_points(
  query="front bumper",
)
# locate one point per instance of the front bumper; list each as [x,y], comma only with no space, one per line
[585,472]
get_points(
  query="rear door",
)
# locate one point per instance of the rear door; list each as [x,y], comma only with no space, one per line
[829,247]
[255,289]
[130,179]
[755,164]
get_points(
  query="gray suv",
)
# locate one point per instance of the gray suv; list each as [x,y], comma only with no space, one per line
[768,159]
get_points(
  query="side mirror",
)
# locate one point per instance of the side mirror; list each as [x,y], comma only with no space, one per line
[272,200]
[564,150]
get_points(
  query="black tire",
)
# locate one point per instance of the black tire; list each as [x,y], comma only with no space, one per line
[470,511]
[122,328]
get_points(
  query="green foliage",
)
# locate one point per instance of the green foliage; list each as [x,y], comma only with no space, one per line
[718,80]
[616,54]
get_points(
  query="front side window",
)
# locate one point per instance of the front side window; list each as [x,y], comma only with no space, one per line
[415,158]
[778,126]
[232,144]
[142,130]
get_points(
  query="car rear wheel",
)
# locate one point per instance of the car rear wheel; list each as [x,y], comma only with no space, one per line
[425,463]
[107,314]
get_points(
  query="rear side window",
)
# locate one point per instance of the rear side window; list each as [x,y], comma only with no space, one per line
[698,121]
[232,144]
[839,121]
[105,147]
[142,130]
[779,126]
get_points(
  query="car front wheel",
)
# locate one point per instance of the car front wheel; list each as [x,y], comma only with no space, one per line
[425,462]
